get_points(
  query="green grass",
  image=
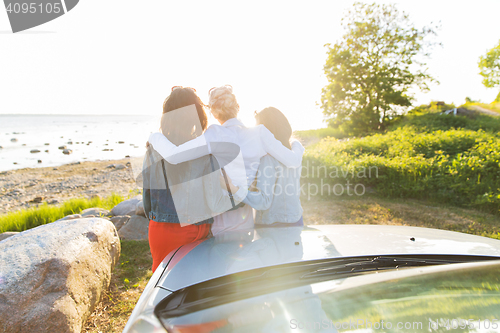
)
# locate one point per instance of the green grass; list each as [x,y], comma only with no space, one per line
[319,133]
[33,217]
[443,158]
[495,106]
[130,277]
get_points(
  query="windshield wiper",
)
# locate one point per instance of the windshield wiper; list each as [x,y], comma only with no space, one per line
[380,263]
[270,279]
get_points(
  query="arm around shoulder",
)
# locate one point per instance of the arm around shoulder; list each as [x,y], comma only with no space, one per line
[290,158]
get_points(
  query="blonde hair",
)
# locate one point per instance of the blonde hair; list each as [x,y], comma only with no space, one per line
[222,103]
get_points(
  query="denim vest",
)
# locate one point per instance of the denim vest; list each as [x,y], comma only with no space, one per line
[200,197]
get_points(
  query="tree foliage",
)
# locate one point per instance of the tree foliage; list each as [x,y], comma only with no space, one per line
[373,68]
[489,64]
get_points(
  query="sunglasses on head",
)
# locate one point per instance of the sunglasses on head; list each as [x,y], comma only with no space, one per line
[181,87]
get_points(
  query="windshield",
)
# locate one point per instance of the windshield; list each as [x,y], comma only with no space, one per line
[463,298]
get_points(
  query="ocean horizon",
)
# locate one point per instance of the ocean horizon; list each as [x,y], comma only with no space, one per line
[89,137]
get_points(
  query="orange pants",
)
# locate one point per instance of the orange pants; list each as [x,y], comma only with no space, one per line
[166,237]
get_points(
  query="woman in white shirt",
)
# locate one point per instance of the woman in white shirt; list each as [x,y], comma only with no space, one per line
[254,143]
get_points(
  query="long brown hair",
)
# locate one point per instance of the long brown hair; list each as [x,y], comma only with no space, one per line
[181,97]
[276,122]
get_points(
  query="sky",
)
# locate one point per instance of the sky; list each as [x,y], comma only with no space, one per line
[123,57]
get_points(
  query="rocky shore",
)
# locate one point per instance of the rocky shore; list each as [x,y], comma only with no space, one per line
[30,187]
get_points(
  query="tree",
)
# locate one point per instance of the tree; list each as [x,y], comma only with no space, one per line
[373,68]
[489,64]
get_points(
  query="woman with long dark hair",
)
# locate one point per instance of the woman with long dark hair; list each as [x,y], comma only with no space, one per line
[181,200]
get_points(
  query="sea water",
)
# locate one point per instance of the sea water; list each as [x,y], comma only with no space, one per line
[90,137]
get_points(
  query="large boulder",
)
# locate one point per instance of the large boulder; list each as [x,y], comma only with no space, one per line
[53,276]
[136,228]
[127,207]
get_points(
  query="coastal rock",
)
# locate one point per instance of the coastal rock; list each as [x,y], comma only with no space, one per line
[120,167]
[54,275]
[37,200]
[111,166]
[39,161]
[7,234]
[70,217]
[34,151]
[62,147]
[121,142]
[119,221]
[94,212]
[67,151]
[127,207]
[13,140]
[47,144]
[139,209]
[53,202]
[136,228]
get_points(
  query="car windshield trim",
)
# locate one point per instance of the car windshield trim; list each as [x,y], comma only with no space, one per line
[255,282]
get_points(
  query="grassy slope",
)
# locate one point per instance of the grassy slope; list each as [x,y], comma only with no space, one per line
[447,159]
[495,106]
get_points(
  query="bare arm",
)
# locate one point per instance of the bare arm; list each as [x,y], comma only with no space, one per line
[290,158]
[173,154]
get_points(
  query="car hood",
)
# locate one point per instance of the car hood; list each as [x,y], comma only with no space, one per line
[249,249]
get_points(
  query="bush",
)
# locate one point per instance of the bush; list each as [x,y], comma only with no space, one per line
[444,158]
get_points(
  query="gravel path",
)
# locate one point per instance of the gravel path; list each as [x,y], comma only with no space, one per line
[483,110]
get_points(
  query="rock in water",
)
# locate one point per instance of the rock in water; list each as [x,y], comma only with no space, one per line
[127,207]
[67,151]
[136,228]
[62,147]
[34,151]
[54,275]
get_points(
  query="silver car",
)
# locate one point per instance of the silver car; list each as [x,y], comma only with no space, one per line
[326,278]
